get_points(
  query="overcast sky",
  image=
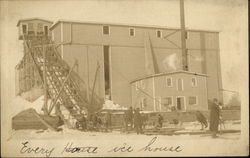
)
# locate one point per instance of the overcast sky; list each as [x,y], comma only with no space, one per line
[227,16]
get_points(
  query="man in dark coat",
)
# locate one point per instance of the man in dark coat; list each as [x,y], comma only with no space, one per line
[138,121]
[130,116]
[160,120]
[201,119]
[214,117]
[108,121]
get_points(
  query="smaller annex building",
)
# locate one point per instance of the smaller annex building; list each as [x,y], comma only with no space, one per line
[172,91]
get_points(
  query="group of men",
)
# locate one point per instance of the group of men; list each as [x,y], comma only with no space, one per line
[94,122]
[134,120]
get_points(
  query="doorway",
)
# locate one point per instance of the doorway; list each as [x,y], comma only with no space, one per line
[106,55]
[180,103]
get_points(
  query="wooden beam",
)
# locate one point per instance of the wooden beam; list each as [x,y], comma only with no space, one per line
[93,88]
[61,89]
[45,88]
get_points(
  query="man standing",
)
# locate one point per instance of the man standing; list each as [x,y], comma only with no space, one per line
[160,120]
[138,121]
[214,117]
[130,116]
[108,121]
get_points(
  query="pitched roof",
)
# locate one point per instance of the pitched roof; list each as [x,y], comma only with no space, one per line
[29,19]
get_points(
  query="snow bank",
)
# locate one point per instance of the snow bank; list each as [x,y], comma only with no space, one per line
[21,104]
[109,104]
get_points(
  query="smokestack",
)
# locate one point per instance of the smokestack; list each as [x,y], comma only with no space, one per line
[183,37]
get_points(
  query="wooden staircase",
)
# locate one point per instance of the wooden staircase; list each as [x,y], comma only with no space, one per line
[64,86]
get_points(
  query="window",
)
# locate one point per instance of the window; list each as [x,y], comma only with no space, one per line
[105,30]
[159,33]
[131,32]
[194,82]
[186,35]
[179,84]
[192,100]
[31,28]
[24,28]
[167,101]
[169,82]
[39,28]
[46,30]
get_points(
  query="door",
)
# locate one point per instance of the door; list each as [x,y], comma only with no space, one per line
[180,101]
[158,104]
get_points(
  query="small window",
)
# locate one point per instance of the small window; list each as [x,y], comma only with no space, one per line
[39,28]
[179,84]
[46,30]
[186,35]
[131,32]
[142,84]
[31,28]
[194,82]
[105,30]
[24,28]
[192,100]
[169,82]
[159,33]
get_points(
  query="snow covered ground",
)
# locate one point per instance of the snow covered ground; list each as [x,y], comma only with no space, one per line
[75,134]
[22,104]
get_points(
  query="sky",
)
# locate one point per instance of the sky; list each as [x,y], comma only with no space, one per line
[229,17]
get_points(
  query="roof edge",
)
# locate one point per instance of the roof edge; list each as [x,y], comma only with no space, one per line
[167,73]
[26,19]
[128,25]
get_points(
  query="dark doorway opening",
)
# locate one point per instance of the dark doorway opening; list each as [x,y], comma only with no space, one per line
[180,103]
[106,54]
[46,30]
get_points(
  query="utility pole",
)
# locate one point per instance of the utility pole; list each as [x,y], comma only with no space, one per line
[88,74]
[183,37]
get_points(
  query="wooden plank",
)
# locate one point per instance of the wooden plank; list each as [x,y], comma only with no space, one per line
[43,121]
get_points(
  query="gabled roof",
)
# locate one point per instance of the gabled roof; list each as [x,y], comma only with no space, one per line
[125,25]
[30,19]
[169,73]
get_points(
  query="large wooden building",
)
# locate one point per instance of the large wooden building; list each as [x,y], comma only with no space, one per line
[113,58]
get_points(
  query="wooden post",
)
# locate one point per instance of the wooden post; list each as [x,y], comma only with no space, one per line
[88,74]
[183,37]
[45,106]
[93,88]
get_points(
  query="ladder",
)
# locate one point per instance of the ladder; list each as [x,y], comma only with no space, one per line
[64,86]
